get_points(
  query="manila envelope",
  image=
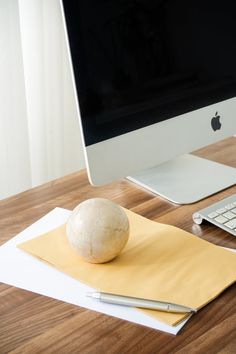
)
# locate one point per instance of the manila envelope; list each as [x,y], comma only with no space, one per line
[159,262]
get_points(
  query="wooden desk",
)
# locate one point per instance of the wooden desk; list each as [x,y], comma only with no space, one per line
[30,323]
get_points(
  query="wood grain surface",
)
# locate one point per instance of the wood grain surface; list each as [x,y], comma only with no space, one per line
[30,323]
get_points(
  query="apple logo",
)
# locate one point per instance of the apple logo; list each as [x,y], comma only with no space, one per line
[215,122]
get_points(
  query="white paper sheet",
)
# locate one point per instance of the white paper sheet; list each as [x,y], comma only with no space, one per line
[21,270]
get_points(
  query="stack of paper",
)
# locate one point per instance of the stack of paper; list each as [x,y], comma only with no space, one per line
[163,262]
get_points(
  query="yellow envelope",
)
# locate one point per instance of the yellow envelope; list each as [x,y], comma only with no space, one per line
[159,262]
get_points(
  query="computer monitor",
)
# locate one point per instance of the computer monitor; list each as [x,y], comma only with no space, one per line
[153,80]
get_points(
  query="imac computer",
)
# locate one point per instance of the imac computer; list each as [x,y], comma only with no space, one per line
[154,80]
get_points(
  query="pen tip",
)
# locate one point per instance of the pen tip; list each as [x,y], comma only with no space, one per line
[94,295]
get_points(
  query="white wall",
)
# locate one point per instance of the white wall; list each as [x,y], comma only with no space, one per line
[14,149]
[39,132]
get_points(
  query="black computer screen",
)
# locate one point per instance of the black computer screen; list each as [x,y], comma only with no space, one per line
[138,62]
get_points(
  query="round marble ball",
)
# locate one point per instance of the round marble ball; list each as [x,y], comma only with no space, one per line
[98,230]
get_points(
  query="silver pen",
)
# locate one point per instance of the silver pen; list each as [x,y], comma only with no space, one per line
[142,303]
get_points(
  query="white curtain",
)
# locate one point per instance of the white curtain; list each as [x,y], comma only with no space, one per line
[39,98]
[15,172]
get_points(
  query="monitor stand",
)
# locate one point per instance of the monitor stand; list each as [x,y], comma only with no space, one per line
[186,179]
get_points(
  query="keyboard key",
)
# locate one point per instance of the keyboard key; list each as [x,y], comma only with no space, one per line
[213,214]
[221,210]
[233,210]
[231,224]
[221,219]
[229,215]
[230,206]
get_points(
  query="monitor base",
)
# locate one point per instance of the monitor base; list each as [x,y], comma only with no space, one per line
[186,179]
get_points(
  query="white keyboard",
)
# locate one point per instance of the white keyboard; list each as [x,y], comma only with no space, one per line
[221,214]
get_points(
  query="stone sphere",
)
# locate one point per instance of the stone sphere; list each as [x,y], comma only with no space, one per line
[98,230]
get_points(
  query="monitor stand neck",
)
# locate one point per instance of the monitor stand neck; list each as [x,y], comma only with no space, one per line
[186,179]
